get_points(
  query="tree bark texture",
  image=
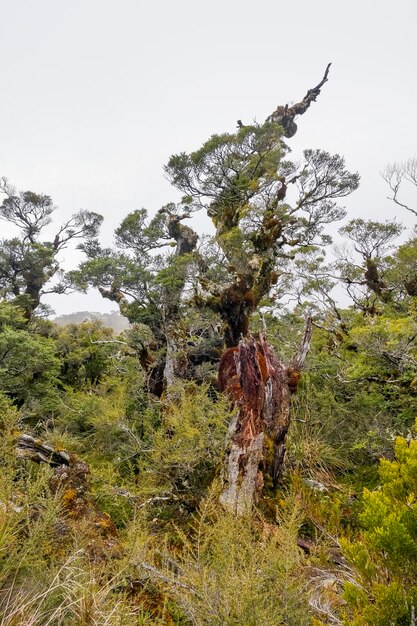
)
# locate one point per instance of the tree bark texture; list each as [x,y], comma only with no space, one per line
[260,387]
[175,361]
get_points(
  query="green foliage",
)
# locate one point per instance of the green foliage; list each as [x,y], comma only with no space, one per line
[139,280]
[28,364]
[372,238]
[171,278]
[88,352]
[27,264]
[384,557]
[188,445]
[46,575]
[233,571]
[143,410]
[402,272]
[27,515]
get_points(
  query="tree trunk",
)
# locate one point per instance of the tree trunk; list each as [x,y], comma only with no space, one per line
[175,359]
[260,387]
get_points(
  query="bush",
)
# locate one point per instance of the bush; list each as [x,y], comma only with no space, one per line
[384,558]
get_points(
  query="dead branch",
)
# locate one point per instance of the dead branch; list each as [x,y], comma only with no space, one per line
[27,447]
[298,362]
[395,174]
[170,497]
[284,115]
[172,583]
[124,343]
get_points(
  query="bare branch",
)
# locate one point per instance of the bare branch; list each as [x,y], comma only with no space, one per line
[284,115]
[395,174]
[298,361]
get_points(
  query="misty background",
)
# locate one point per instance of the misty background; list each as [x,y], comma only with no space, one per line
[97,94]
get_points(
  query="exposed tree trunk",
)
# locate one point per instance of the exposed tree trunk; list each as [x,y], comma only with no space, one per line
[175,358]
[411,286]
[260,387]
[235,308]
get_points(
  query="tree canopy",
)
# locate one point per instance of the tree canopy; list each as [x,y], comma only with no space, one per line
[28,264]
[245,452]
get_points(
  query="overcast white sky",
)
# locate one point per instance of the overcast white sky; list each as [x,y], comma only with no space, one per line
[96,94]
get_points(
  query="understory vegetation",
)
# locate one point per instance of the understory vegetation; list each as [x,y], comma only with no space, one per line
[141,537]
[245,453]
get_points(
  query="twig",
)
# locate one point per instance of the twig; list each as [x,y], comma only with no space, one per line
[172,582]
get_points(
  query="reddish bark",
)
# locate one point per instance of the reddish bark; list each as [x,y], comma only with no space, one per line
[260,387]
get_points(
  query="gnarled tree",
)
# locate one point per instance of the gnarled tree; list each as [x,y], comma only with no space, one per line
[149,285]
[27,263]
[242,180]
[363,270]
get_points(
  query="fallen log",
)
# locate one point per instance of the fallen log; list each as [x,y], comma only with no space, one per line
[27,447]
[71,483]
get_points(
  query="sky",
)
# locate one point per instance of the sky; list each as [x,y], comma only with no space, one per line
[97,94]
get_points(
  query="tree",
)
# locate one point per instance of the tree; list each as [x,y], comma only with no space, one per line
[241,180]
[148,283]
[27,264]
[404,269]
[398,175]
[29,367]
[365,280]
